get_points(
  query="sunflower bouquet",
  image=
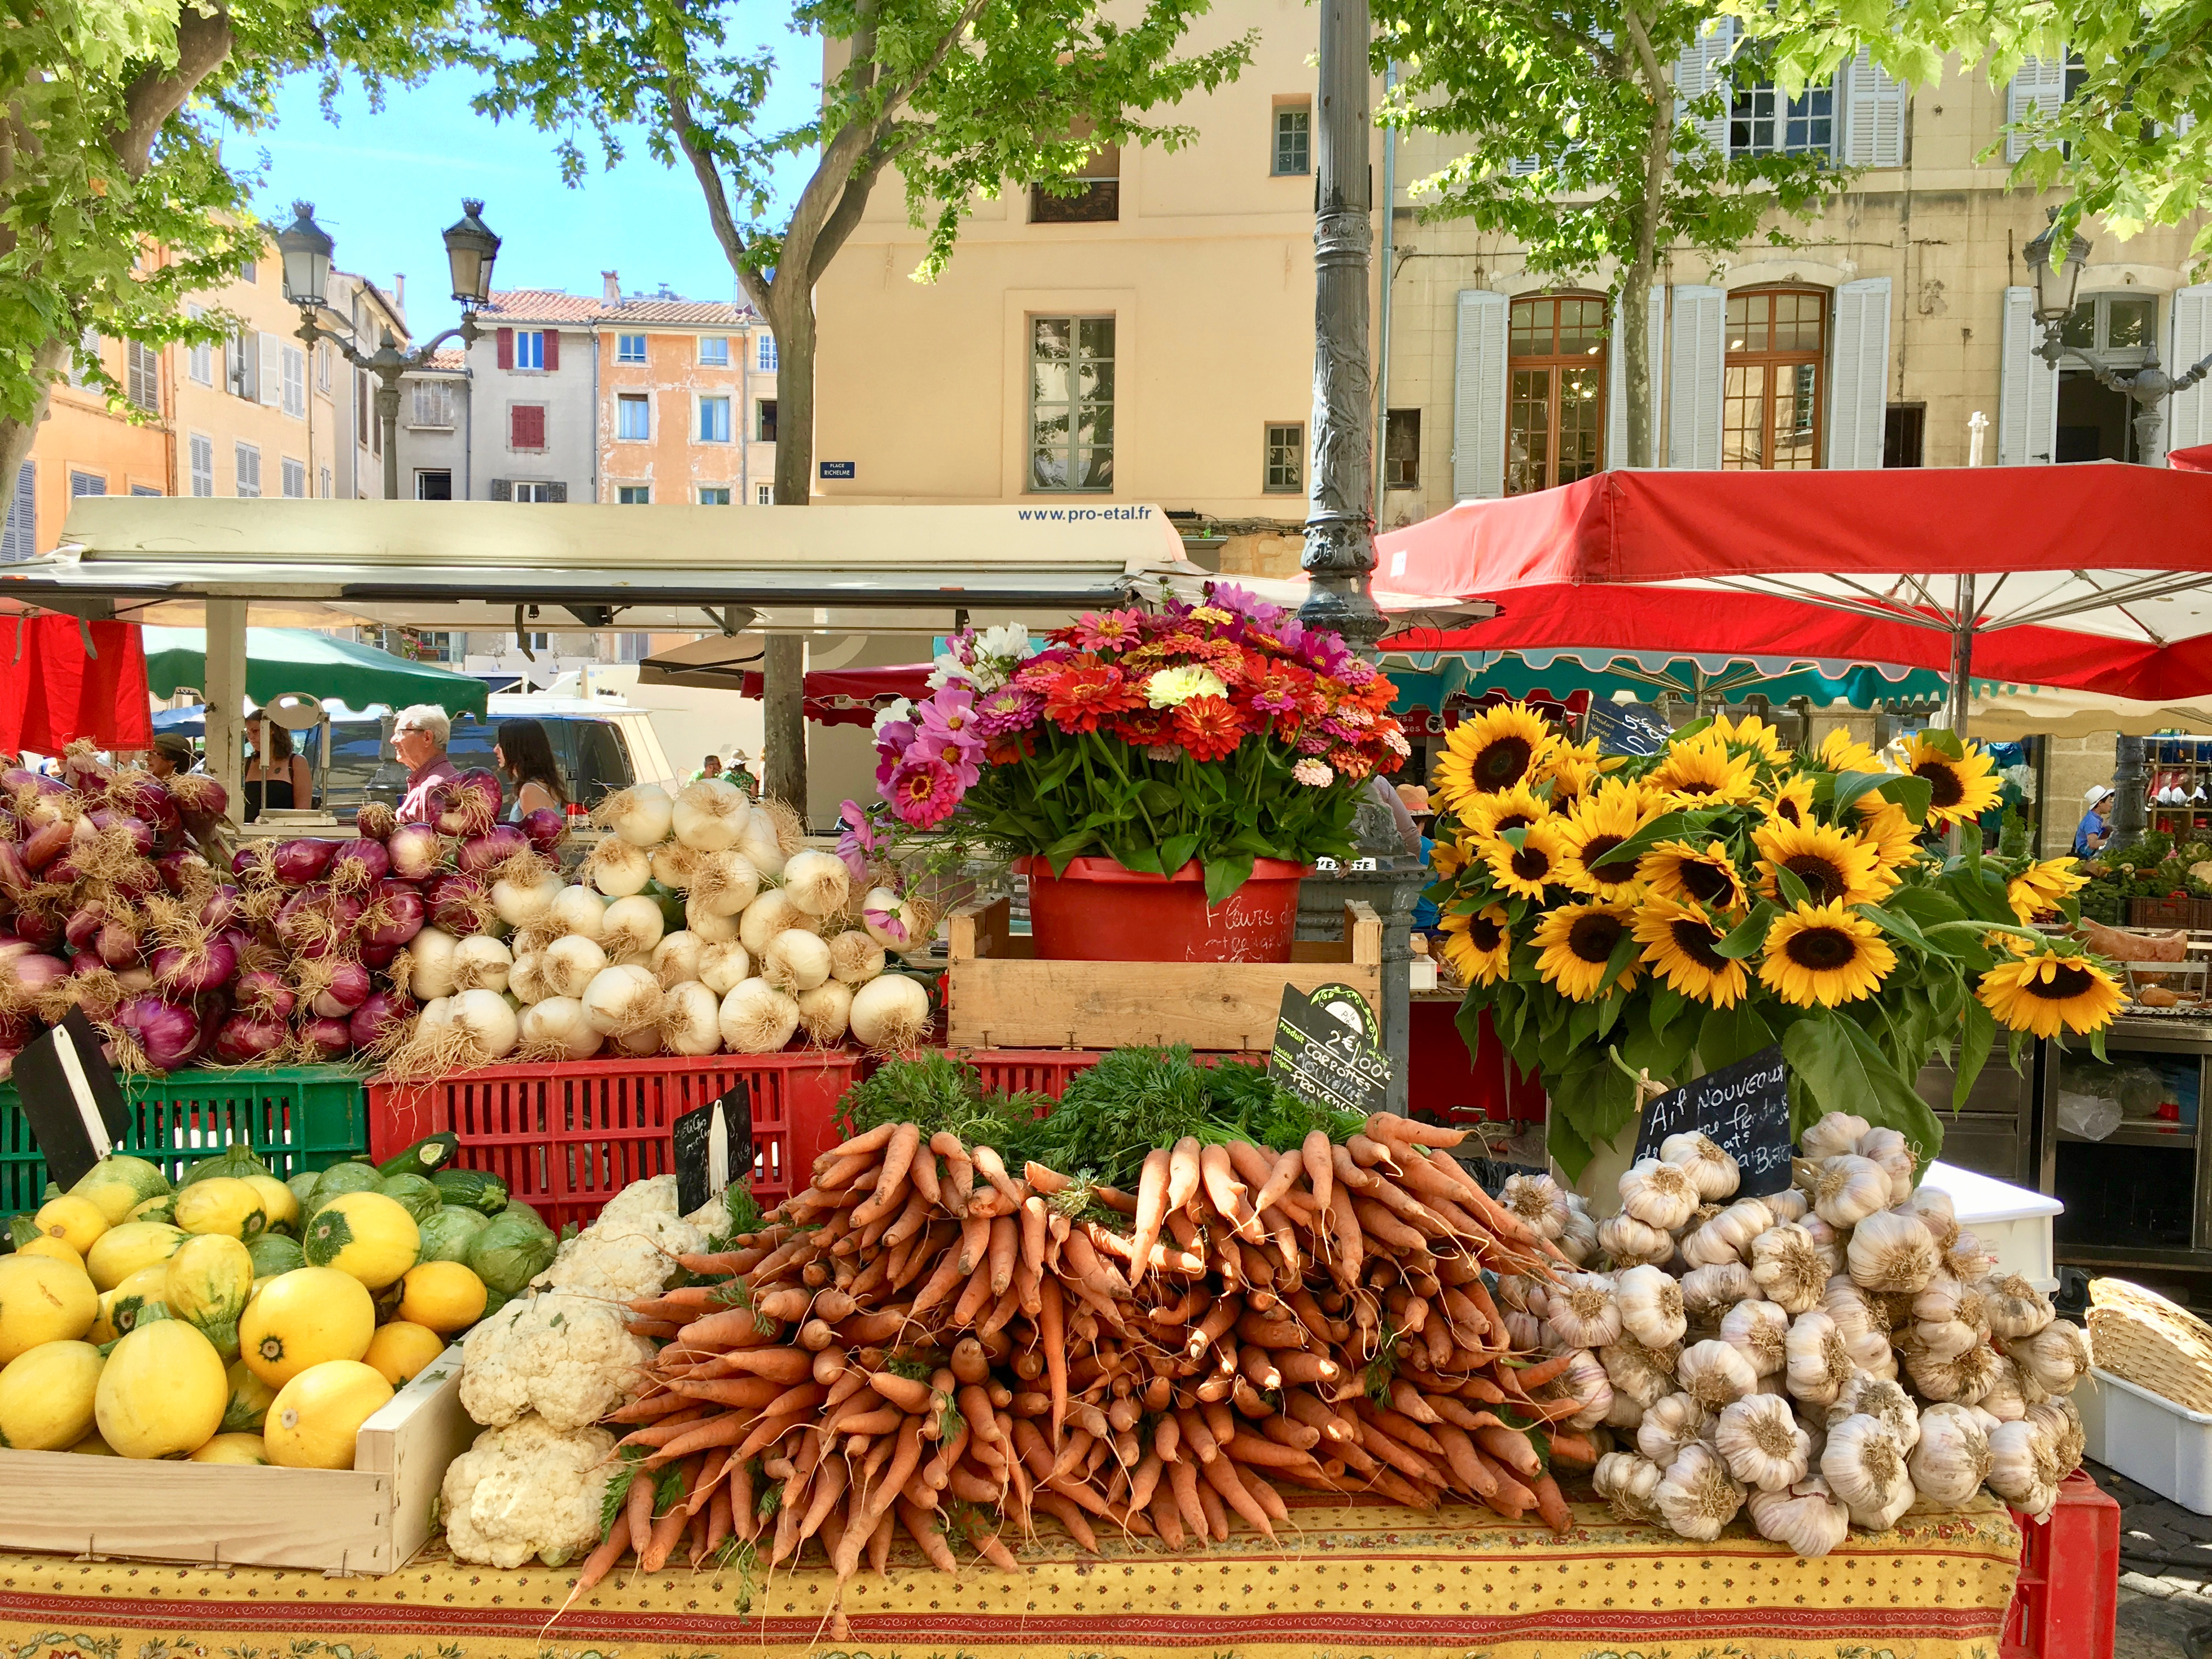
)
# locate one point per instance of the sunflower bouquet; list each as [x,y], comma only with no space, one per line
[1663,916]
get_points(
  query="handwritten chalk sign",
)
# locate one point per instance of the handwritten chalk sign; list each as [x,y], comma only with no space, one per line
[76,1107]
[713,1147]
[1328,1049]
[1744,1107]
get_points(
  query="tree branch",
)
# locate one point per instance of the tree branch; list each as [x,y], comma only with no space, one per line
[1572,44]
[718,200]
[204,40]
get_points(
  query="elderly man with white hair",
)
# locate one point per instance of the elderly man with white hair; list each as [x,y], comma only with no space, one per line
[419,737]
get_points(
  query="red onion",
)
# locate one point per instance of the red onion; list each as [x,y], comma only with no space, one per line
[16,944]
[181,867]
[299,862]
[15,877]
[376,821]
[365,857]
[16,1030]
[84,924]
[415,851]
[460,904]
[544,827]
[62,871]
[39,925]
[82,770]
[301,918]
[21,780]
[222,907]
[213,1008]
[378,956]
[261,991]
[117,944]
[144,796]
[200,801]
[348,988]
[141,832]
[27,974]
[244,1038]
[167,1033]
[190,972]
[394,914]
[481,854]
[332,1038]
[137,879]
[377,1017]
[46,843]
[442,804]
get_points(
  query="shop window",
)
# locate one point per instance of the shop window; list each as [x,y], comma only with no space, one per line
[1771,390]
[1555,397]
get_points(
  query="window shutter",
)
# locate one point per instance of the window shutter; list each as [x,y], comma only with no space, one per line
[1701,70]
[1694,384]
[552,349]
[1478,397]
[268,372]
[527,427]
[502,490]
[557,492]
[1874,114]
[1616,380]
[2188,414]
[20,540]
[1522,165]
[1858,379]
[2027,388]
[507,347]
[2040,84]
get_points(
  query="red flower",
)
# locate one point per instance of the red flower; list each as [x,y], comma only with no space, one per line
[1080,695]
[1140,727]
[1209,728]
[1005,751]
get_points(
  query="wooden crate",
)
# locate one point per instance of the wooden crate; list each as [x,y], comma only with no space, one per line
[999,995]
[368,1519]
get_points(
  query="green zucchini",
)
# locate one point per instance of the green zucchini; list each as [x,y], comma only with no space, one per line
[471,1189]
[425,1158]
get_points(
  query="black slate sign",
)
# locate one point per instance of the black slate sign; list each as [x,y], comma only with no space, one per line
[1744,1107]
[1328,1049]
[76,1107]
[713,1147]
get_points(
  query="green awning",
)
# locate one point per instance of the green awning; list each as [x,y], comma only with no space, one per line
[299,660]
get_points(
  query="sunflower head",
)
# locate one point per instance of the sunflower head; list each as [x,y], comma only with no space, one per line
[1600,823]
[1823,954]
[1496,749]
[1790,801]
[2039,888]
[1702,771]
[2050,989]
[1575,942]
[1572,777]
[1833,863]
[1515,808]
[1895,836]
[1841,752]
[1527,869]
[1963,787]
[1751,736]
[1447,857]
[1680,870]
[1681,943]
[1479,945]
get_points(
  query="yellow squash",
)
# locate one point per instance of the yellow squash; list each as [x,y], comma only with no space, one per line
[225,1205]
[206,1285]
[46,1396]
[162,1392]
[317,1415]
[249,1399]
[122,1251]
[442,1295]
[117,1182]
[400,1349]
[52,1249]
[122,1308]
[304,1318]
[42,1300]
[77,1222]
[233,1449]
[364,1234]
[278,1202]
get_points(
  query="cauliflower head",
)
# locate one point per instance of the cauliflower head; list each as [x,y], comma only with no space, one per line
[527,1489]
[630,1251]
[571,1359]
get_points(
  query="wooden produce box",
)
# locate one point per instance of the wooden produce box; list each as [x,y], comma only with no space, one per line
[368,1519]
[999,995]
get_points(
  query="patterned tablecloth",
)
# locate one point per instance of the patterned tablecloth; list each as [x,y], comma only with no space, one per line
[1344,1583]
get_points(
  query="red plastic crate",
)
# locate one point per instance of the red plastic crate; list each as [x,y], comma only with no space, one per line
[566,1138]
[2068,1593]
[1046,1070]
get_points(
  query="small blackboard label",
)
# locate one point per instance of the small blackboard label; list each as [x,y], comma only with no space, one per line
[1745,1108]
[713,1147]
[1328,1049]
[74,1106]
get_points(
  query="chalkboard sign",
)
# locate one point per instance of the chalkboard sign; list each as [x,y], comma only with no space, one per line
[74,1105]
[1328,1049]
[1744,1107]
[713,1147]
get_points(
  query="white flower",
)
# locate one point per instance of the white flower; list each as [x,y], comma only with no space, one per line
[1313,774]
[899,708]
[1171,688]
[1008,644]
[949,670]
[1396,743]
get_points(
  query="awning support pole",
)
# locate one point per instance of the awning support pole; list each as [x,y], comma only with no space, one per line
[783,722]
[1962,656]
[225,676]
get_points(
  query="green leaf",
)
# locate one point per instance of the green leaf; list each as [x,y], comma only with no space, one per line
[1224,876]
[1851,786]
[1176,851]
[1728,1035]
[1751,932]
[1794,891]
[1976,1037]
[1899,927]
[1845,1070]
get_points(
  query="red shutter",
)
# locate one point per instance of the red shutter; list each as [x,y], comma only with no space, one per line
[527,426]
[552,349]
[507,347]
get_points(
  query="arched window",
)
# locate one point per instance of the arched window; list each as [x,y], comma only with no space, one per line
[1555,409]
[1778,342]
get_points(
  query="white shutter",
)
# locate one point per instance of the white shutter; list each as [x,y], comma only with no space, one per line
[1859,373]
[1522,165]
[270,372]
[1699,71]
[1616,382]
[20,539]
[1693,382]
[2188,414]
[2027,388]
[1874,114]
[2040,84]
[1478,397]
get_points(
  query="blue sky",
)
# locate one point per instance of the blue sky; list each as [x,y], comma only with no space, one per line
[386,183]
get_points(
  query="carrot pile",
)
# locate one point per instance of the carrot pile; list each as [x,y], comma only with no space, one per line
[927,1340]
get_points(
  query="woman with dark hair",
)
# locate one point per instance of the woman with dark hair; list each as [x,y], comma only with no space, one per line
[526,760]
[277,778]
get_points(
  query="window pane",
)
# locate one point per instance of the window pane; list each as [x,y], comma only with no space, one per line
[1096,336]
[1533,322]
[1582,326]
[1528,431]
[1052,335]
[1797,416]
[1401,448]
[2128,322]
[1286,456]
[1071,406]
[1743,417]
[1581,423]
[1051,382]
[2080,328]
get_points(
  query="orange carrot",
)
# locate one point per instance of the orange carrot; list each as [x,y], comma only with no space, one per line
[1051,1335]
[1288,1168]
[1069,1515]
[922,1528]
[1006,1239]
[1552,1502]
[1183,1172]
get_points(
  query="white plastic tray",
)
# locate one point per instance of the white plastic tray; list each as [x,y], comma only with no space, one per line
[2147,1437]
[2012,1222]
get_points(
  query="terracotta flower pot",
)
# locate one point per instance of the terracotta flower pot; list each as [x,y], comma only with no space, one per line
[1097,911]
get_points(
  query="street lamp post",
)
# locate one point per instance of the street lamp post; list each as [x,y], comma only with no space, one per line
[305,247]
[2149,387]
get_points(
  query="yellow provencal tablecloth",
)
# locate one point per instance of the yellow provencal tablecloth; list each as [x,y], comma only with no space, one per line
[1344,1583]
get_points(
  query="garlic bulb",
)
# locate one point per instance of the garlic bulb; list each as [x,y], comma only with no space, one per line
[1581,1313]
[2024,1467]
[1837,1132]
[1952,1458]
[1584,1379]
[1828,1238]
[1657,1193]
[1526,1330]
[1677,1421]
[1696,1496]
[2055,1358]
[1716,1373]
[1791,1269]
[1625,1412]
[1894,1154]
[1716,1288]
[1631,1242]
[1712,1168]
[1892,1252]
[1642,1374]
[1512,1290]
[1807,1518]
[1578,1241]
[2062,1423]
[1728,1235]
[1936,1212]
[1758,1328]
[1816,1363]
[2006,1398]
[1815,1425]
[1871,1352]
[1539,1201]
[1629,1483]
[1791,1205]
[1877,1397]
[1650,1306]
[1760,1441]
[1948,1318]
[1865,1465]
[1849,1188]
[1850,1307]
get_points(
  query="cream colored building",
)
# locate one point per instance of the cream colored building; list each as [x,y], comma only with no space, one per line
[1152,340]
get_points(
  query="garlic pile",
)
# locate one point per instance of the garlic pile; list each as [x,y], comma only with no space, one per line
[1819,1359]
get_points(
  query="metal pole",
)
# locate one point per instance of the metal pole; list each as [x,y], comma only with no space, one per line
[2130,803]
[387,415]
[1383,328]
[1962,656]
[1339,550]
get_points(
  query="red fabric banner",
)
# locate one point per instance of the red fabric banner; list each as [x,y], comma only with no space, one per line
[53,690]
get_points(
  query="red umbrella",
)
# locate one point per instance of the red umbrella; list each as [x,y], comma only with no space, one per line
[2089,576]
[851,697]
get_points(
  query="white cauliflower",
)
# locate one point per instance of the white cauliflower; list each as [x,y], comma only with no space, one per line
[527,1489]
[570,1358]
[630,1251]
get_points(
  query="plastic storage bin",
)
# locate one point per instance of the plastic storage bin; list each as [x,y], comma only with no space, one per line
[2069,1592]
[566,1138]
[295,1117]
[2147,1437]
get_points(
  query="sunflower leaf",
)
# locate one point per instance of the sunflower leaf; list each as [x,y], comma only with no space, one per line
[1977,1036]
[1851,786]
[1750,933]
[1944,742]
[1914,794]
[1793,889]
[1846,1070]
[1516,838]
[1900,926]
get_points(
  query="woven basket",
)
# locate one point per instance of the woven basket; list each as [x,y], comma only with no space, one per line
[2153,1344]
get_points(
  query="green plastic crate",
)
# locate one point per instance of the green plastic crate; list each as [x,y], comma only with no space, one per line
[295,1117]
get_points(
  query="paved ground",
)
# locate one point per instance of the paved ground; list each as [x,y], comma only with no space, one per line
[2166,1575]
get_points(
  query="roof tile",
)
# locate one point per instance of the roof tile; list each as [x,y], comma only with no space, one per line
[539,305]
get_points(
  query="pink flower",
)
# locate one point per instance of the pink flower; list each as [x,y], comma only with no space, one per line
[886,921]
[856,839]
[951,714]
[960,758]
[1009,708]
[923,790]
[1117,630]
[1312,773]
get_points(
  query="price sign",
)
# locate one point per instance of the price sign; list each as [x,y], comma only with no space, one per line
[1328,1049]
[1744,1108]
[713,1147]
[74,1105]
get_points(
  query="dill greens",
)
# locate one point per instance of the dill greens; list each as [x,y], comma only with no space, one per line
[617,1491]
[668,1490]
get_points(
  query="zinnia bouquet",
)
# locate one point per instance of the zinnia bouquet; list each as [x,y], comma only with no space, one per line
[1673,915]
[1223,732]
